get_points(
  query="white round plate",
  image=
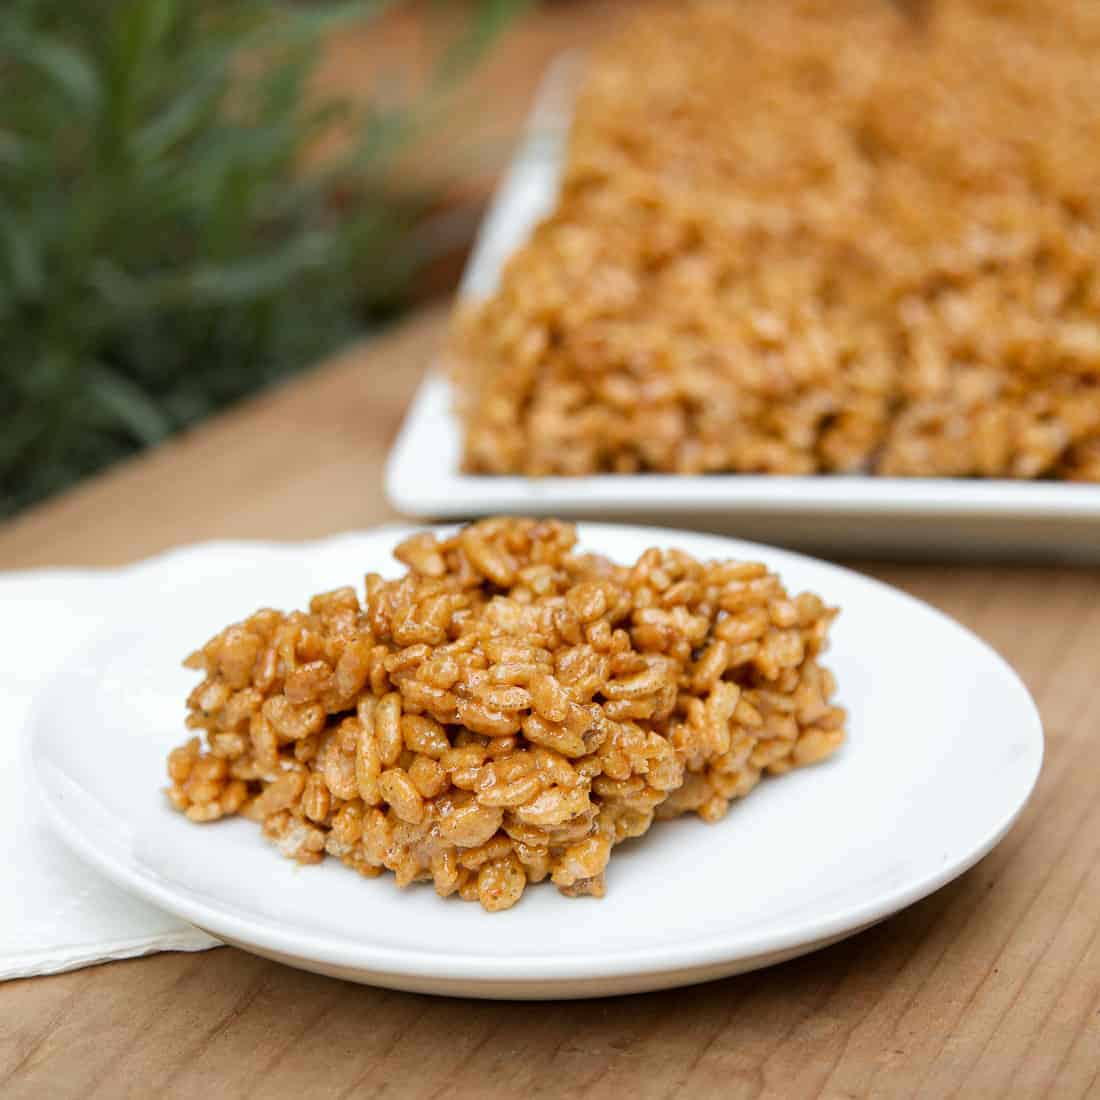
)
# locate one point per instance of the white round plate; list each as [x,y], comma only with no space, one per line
[944,748]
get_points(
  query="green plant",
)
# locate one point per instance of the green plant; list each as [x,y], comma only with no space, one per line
[171,237]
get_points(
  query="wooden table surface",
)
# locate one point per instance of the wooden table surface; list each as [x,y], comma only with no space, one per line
[991,987]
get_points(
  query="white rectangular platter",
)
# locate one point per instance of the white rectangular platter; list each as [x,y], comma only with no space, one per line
[834,514]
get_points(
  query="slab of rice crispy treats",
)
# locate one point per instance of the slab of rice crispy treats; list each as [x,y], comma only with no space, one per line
[811,236]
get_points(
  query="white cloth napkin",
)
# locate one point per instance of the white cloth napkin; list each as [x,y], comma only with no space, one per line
[56,913]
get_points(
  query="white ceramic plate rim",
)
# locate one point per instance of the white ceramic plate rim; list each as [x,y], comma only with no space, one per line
[430,439]
[442,966]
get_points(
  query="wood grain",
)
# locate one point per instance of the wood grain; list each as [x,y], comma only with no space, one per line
[991,987]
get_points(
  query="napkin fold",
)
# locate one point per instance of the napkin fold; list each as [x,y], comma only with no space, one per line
[56,913]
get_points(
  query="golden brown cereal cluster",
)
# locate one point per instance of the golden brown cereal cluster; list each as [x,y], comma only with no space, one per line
[805,236]
[508,710]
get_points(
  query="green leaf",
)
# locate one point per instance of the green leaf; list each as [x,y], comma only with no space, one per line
[17,438]
[384,133]
[23,259]
[183,115]
[13,150]
[303,23]
[64,67]
[134,56]
[128,404]
[491,19]
[255,277]
[140,28]
[232,282]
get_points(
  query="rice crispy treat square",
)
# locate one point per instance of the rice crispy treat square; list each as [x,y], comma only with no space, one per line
[507,711]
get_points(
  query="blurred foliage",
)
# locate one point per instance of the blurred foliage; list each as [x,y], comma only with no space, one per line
[163,250]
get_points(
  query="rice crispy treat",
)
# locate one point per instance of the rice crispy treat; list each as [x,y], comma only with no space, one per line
[507,711]
[800,237]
